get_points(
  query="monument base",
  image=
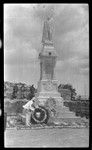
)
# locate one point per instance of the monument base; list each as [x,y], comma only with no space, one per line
[64,112]
[55,104]
[49,98]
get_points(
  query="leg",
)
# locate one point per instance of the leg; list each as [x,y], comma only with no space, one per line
[28,115]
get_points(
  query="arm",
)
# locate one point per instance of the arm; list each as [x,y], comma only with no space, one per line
[35,104]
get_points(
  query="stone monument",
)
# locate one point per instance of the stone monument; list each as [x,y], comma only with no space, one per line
[47,91]
[48,104]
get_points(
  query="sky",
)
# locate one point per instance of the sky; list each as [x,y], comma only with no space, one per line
[23,26]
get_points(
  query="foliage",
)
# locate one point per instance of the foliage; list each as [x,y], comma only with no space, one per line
[31,93]
[19,91]
[15,90]
[81,108]
[15,107]
[69,87]
[79,97]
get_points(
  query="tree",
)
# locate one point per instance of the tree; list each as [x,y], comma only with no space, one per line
[22,90]
[69,87]
[31,93]
[79,97]
[15,90]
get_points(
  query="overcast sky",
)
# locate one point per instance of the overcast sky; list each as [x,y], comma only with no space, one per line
[23,26]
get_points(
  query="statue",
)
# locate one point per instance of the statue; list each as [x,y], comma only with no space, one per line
[47,34]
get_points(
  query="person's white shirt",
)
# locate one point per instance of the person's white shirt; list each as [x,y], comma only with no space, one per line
[28,105]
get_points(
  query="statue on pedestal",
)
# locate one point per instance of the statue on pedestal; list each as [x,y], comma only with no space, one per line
[47,106]
[47,33]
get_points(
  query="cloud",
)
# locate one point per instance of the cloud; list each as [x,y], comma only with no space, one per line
[74,65]
[84,71]
[20,24]
[73,42]
[59,63]
[20,35]
[22,54]
[78,61]
[23,26]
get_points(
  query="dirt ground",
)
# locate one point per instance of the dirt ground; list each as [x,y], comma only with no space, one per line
[47,138]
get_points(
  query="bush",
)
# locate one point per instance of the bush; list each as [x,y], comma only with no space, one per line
[15,107]
[80,108]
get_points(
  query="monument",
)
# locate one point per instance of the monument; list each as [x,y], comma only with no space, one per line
[47,85]
[46,109]
[50,104]
[47,91]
